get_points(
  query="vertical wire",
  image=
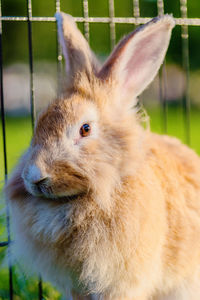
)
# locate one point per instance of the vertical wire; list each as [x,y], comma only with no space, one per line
[2,101]
[57,5]
[186,68]
[136,14]
[30,47]
[162,79]
[136,10]
[32,94]
[86,24]
[5,160]
[59,57]
[112,24]
[160,7]
[40,296]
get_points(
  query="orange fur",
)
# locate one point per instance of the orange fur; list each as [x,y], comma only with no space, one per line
[119,213]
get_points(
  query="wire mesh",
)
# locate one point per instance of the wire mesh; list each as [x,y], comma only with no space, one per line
[162,79]
[7,243]
[185,62]
[86,23]
[136,9]
[119,20]
[59,58]
[136,19]
[112,23]
[30,47]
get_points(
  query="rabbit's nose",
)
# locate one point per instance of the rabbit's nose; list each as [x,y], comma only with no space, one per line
[36,180]
[42,184]
[42,181]
[33,174]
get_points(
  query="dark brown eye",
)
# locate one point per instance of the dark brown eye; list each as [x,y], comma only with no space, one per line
[85,130]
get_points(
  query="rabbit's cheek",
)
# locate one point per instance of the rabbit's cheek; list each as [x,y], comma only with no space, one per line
[65,180]
[32,189]
[68,186]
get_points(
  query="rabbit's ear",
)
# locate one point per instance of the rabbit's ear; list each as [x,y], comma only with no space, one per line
[136,59]
[78,56]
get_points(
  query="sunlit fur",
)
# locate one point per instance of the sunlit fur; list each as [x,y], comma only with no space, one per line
[122,219]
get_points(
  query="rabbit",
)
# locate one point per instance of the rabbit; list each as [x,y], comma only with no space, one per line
[102,207]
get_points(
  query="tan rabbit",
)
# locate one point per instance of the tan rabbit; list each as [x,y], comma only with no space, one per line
[101,206]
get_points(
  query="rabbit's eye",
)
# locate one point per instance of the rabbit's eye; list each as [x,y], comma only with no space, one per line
[85,130]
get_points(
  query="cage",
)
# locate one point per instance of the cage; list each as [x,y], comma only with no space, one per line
[103,25]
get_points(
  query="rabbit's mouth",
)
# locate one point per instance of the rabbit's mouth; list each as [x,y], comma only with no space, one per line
[69,197]
[45,191]
[63,197]
[70,186]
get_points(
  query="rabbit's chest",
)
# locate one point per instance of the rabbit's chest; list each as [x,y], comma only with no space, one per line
[58,239]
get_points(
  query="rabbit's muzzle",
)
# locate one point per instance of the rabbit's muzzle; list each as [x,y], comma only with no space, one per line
[35,182]
[61,180]
[43,187]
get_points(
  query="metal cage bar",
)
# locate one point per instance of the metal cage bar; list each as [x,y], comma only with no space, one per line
[59,58]
[32,94]
[160,7]
[2,101]
[86,23]
[186,67]
[112,23]
[162,79]
[7,243]
[136,9]
[116,20]
[30,47]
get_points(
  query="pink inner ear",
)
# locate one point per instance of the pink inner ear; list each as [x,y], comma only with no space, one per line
[144,60]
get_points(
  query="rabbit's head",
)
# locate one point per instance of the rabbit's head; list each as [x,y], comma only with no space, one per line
[90,140]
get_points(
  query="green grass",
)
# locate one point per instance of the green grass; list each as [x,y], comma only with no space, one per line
[176,124]
[18,136]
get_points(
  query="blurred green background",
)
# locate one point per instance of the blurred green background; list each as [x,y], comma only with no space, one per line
[17,87]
